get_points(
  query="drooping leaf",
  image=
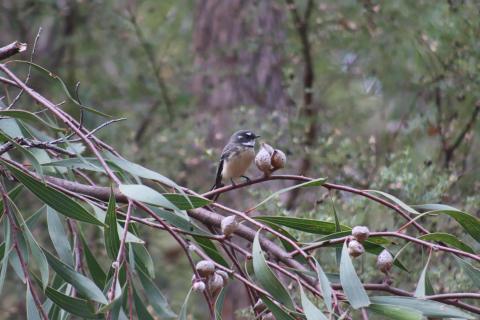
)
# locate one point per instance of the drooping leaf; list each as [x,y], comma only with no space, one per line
[183,311]
[351,284]
[84,163]
[76,306]
[59,237]
[12,194]
[313,183]
[32,311]
[393,312]
[6,256]
[448,239]
[52,197]
[428,308]
[267,279]
[83,284]
[143,259]
[29,156]
[470,223]
[472,272]
[310,310]
[420,291]
[142,311]
[326,287]
[112,241]
[98,275]
[38,256]
[11,128]
[155,296]
[101,215]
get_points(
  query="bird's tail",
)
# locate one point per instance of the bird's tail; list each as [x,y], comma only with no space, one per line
[218,180]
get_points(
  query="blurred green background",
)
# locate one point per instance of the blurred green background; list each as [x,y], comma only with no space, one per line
[374,94]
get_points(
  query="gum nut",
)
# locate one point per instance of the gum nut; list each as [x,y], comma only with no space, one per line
[259,306]
[355,248]
[263,161]
[384,261]
[267,148]
[229,225]
[360,233]
[278,159]
[222,274]
[198,286]
[215,283]
[205,268]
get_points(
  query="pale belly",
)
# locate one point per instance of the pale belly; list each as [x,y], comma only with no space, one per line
[236,166]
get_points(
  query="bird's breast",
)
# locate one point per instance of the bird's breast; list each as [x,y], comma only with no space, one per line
[237,164]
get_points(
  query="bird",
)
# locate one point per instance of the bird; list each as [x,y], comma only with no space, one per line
[236,157]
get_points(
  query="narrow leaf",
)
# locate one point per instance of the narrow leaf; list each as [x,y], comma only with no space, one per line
[112,241]
[32,311]
[183,311]
[52,197]
[396,201]
[155,296]
[326,287]
[264,275]
[59,238]
[186,202]
[98,275]
[28,117]
[448,239]
[278,312]
[77,307]
[310,310]
[395,312]
[146,194]
[83,284]
[351,284]
[142,312]
[472,272]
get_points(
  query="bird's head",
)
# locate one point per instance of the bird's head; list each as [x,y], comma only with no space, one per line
[244,137]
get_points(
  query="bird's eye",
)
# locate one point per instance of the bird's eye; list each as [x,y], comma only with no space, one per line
[248,134]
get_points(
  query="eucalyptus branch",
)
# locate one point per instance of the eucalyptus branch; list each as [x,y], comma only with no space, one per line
[12,49]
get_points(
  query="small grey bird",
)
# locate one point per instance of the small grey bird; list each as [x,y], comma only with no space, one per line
[236,157]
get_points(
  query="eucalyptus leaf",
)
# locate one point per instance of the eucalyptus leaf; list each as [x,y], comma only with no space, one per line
[76,306]
[310,310]
[351,284]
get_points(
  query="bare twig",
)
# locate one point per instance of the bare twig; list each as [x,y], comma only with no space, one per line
[12,49]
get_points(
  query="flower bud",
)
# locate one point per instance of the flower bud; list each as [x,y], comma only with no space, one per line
[222,274]
[198,286]
[278,159]
[205,268]
[385,261]
[229,225]
[215,284]
[115,265]
[263,161]
[360,233]
[355,248]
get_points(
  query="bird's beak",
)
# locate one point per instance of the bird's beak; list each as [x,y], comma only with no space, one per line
[256,137]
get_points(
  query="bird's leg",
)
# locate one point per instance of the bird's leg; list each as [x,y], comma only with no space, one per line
[247,178]
[233,182]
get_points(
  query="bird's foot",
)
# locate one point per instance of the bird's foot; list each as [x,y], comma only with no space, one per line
[247,179]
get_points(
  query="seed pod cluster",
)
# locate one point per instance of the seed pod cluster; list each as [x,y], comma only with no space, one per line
[212,279]
[269,159]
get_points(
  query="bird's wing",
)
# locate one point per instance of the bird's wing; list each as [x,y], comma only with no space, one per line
[218,178]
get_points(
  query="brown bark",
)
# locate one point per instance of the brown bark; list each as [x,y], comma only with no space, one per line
[237,54]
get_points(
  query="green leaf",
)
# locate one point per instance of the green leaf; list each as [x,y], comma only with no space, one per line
[313,183]
[77,307]
[38,256]
[448,239]
[32,311]
[420,291]
[6,256]
[52,197]
[146,194]
[393,312]
[98,275]
[428,308]
[143,259]
[326,287]
[142,312]
[396,201]
[90,164]
[278,312]
[186,202]
[28,117]
[219,304]
[59,237]
[183,311]
[26,153]
[264,275]
[302,224]
[11,128]
[351,284]
[155,296]
[338,228]
[101,215]
[472,272]
[12,194]
[470,223]
[112,240]
[83,284]
[310,310]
